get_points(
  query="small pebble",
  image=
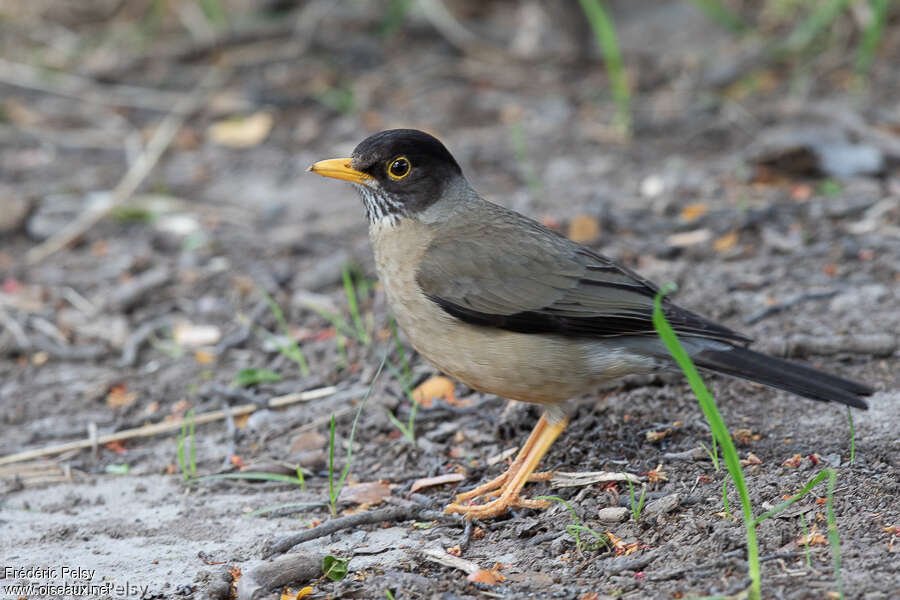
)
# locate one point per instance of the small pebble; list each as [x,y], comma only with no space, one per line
[613,514]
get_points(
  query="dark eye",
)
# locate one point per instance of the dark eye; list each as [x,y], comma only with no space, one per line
[399,168]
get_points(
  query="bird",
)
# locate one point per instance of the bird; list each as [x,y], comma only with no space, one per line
[510,307]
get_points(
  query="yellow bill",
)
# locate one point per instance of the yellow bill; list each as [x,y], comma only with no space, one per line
[339,168]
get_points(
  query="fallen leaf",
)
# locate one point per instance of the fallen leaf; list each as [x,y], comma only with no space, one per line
[437,480]
[793,461]
[751,459]
[434,387]
[583,229]
[242,132]
[655,436]
[801,192]
[119,396]
[370,492]
[202,357]
[116,447]
[813,538]
[656,475]
[455,550]
[694,211]
[726,242]
[742,436]
[485,576]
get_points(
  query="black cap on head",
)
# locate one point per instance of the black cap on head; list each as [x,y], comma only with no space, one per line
[426,150]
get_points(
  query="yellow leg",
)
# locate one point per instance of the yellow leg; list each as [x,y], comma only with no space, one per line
[509,484]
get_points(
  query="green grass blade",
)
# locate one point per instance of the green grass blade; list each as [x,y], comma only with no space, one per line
[822,17]
[810,485]
[729,452]
[353,305]
[605,32]
[865,56]
[291,349]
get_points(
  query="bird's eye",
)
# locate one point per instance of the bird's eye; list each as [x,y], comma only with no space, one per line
[399,168]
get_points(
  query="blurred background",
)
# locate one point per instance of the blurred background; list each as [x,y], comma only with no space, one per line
[162,248]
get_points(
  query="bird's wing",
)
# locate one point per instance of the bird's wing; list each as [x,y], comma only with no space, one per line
[512,273]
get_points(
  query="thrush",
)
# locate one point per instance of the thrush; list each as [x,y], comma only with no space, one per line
[512,308]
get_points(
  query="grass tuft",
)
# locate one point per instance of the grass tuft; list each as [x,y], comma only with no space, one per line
[636,508]
[732,462]
[575,528]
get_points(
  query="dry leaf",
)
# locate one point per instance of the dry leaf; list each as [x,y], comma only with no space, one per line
[287,594]
[751,459]
[485,576]
[655,436]
[793,461]
[370,492]
[813,538]
[243,132]
[437,480]
[434,387]
[584,228]
[119,396]
[204,358]
[743,436]
[726,242]
[694,211]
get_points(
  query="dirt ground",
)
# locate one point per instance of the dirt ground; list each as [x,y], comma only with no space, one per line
[750,187]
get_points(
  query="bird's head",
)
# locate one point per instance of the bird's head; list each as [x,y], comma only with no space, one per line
[398,172]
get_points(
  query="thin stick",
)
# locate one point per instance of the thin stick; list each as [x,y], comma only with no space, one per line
[162,137]
[167,426]
[138,432]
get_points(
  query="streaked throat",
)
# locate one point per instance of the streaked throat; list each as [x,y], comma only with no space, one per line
[381,209]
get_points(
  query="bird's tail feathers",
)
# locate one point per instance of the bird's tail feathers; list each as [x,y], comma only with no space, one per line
[784,375]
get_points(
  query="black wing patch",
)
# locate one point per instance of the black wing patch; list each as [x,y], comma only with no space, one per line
[634,323]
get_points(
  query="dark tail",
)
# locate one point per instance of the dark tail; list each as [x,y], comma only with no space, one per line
[784,375]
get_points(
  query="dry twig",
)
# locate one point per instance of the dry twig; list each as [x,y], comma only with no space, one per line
[162,137]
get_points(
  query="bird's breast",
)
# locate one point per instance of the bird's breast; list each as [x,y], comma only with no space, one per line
[531,368]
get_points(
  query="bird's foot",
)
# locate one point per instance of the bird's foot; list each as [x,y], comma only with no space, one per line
[494,487]
[494,508]
[507,487]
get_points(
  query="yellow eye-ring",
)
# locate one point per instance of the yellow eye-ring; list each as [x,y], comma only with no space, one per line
[398,168]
